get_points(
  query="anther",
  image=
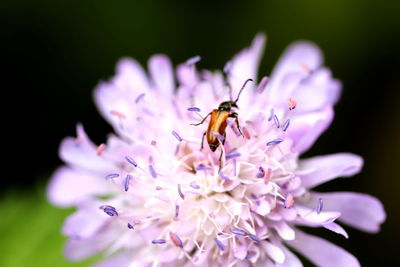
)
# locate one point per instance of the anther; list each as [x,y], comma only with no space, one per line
[218,136]
[100,149]
[286,125]
[180,192]
[232,155]
[176,212]
[292,104]
[238,231]
[271,115]
[127,181]
[117,114]
[177,136]
[112,175]
[274,142]
[254,238]
[159,241]
[194,185]
[193,109]
[261,172]
[202,167]
[276,121]
[320,205]
[289,201]
[219,244]
[175,239]
[131,161]
[152,171]
[130,226]
[109,210]
[139,97]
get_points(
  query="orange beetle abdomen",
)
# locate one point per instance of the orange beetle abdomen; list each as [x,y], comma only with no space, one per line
[217,125]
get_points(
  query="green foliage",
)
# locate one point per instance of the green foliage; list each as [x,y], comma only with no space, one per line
[30,230]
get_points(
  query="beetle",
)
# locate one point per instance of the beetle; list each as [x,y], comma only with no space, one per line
[218,121]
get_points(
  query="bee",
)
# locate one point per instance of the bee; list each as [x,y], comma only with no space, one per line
[218,121]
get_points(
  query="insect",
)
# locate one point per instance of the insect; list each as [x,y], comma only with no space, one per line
[218,121]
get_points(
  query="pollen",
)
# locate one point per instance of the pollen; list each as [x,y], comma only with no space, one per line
[100,149]
[292,104]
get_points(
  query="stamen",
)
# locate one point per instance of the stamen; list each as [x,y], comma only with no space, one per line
[261,172]
[131,161]
[100,149]
[194,109]
[289,201]
[262,84]
[194,185]
[271,114]
[175,239]
[127,180]
[193,60]
[238,231]
[286,125]
[130,226]
[320,205]
[232,155]
[267,177]
[246,133]
[305,67]
[139,97]
[223,177]
[159,241]
[109,210]
[153,142]
[177,136]
[220,137]
[274,142]
[292,104]
[202,167]
[152,171]
[254,238]
[219,244]
[176,212]
[112,175]
[180,192]
[117,114]
[276,121]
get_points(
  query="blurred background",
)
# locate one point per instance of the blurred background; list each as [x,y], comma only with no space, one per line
[55,52]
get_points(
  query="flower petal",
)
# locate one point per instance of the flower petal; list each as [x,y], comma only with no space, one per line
[321,252]
[160,68]
[305,129]
[297,59]
[358,210]
[334,227]
[318,170]
[244,66]
[81,152]
[273,251]
[68,185]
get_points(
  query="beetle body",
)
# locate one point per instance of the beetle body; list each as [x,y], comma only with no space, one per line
[218,122]
[217,125]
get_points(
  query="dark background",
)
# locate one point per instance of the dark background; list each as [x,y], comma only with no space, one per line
[55,52]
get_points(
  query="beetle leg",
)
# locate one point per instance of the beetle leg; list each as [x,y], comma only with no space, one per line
[235,115]
[202,121]
[202,141]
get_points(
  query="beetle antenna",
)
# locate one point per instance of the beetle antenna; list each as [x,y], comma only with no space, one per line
[244,85]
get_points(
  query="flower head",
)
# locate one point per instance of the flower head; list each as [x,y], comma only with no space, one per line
[152,195]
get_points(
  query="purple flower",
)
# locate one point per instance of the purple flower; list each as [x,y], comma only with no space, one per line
[188,215]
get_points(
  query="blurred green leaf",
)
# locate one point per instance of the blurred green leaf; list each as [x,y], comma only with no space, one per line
[30,229]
